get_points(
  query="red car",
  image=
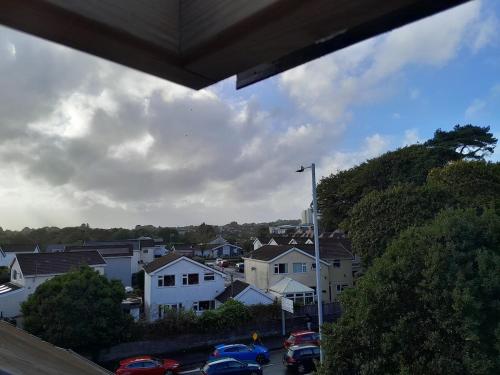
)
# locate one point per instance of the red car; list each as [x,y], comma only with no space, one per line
[147,365]
[302,337]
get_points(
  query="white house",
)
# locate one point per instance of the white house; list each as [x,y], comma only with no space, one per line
[244,293]
[177,282]
[8,252]
[28,271]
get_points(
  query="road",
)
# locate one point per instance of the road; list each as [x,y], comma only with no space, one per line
[275,367]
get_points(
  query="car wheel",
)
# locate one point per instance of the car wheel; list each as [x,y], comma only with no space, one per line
[254,373]
[260,359]
[301,369]
[169,372]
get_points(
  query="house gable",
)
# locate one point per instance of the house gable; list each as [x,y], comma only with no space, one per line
[184,258]
[294,249]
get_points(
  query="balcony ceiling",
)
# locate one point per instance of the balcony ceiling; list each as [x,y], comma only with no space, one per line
[196,43]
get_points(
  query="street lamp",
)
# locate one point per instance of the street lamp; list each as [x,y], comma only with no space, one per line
[319,289]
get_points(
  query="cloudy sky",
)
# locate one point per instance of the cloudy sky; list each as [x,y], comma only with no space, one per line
[86,140]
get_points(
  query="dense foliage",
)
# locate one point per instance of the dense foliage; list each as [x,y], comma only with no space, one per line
[226,318]
[381,215]
[340,192]
[429,305]
[80,310]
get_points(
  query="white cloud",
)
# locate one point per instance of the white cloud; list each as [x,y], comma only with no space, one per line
[84,140]
[411,137]
[475,108]
[332,86]
[414,94]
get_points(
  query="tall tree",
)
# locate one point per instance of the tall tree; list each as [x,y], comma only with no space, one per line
[472,183]
[429,305]
[380,215]
[338,193]
[80,310]
[472,142]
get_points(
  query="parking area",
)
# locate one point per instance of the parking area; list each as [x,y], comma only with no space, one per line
[275,367]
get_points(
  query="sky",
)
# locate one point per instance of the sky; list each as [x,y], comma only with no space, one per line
[84,140]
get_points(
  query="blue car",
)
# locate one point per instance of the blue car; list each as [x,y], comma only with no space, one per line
[230,366]
[256,353]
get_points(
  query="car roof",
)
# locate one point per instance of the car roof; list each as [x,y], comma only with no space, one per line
[301,333]
[225,346]
[135,359]
[296,347]
[221,360]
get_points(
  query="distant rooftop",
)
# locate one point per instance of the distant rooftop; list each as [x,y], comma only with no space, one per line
[57,263]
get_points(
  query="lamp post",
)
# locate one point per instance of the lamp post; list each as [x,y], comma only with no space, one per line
[319,289]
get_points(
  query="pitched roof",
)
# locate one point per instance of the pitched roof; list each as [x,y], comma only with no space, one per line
[288,285]
[57,263]
[283,240]
[19,248]
[217,241]
[162,261]
[21,351]
[51,248]
[232,290]
[105,250]
[330,251]
[136,244]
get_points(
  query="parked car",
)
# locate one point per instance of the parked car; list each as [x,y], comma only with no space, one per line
[230,366]
[240,267]
[302,337]
[301,358]
[256,353]
[221,262]
[147,365]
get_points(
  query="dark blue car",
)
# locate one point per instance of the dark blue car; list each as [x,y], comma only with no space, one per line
[230,366]
[241,352]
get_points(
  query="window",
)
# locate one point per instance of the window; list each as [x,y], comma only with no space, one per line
[14,275]
[299,268]
[313,266]
[144,251]
[166,280]
[190,279]
[280,268]
[162,309]
[203,305]
[210,276]
[306,298]
[336,263]
[135,365]
[341,287]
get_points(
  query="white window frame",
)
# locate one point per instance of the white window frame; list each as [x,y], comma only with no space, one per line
[211,276]
[161,281]
[340,287]
[301,266]
[277,268]
[185,279]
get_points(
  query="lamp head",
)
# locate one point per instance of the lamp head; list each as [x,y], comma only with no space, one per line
[301,169]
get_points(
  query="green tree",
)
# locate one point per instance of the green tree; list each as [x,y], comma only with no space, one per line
[338,193]
[80,310]
[472,142]
[472,183]
[429,305]
[380,215]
